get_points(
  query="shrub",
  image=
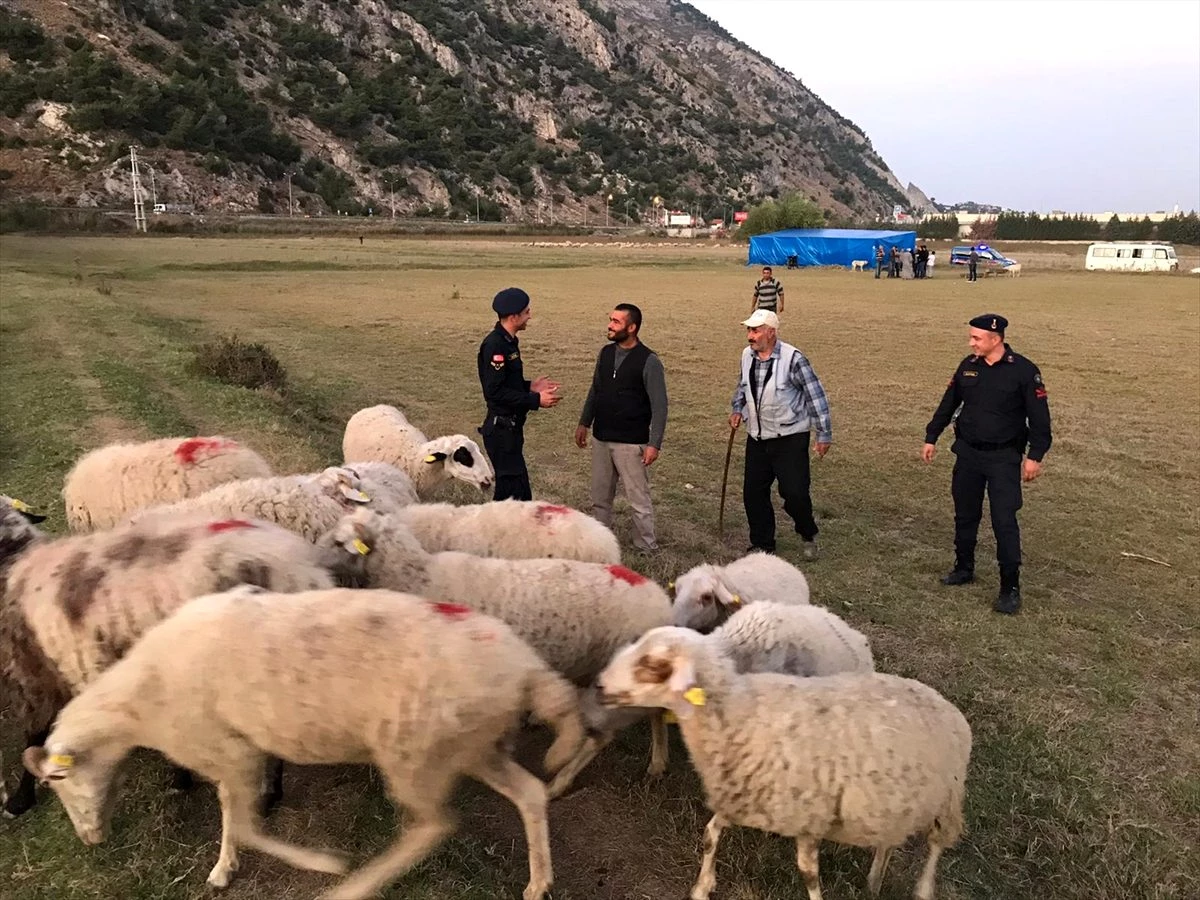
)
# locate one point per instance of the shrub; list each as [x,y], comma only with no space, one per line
[232,361]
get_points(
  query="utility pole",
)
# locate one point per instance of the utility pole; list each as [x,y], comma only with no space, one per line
[139,208]
[153,189]
[289,178]
[476,206]
[627,219]
[607,204]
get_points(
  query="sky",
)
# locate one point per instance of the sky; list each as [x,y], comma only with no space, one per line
[1028,104]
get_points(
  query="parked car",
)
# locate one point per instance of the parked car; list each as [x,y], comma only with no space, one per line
[989,257]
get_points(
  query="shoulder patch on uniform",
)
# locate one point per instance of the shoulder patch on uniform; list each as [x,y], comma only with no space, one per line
[498,361]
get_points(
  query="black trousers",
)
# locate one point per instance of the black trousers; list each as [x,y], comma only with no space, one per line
[972,272]
[999,473]
[505,446]
[786,459]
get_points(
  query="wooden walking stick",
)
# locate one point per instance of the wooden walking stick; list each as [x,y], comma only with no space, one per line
[724,484]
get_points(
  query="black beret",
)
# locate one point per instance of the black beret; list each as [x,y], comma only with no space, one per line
[989,322]
[510,301]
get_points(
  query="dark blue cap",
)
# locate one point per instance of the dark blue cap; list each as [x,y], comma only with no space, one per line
[510,301]
[989,322]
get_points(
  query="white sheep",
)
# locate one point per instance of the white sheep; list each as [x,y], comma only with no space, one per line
[308,505]
[388,489]
[512,529]
[427,692]
[383,434]
[792,640]
[861,759]
[707,595]
[575,614]
[110,483]
[71,607]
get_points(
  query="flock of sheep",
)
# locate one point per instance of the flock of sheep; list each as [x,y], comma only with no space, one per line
[233,619]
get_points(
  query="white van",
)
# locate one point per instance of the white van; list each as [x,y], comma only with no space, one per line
[1131,256]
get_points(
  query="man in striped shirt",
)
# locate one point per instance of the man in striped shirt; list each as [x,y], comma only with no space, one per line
[768,293]
[782,402]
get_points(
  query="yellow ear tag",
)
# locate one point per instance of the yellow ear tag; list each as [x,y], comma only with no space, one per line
[63,760]
[360,547]
[431,458]
[20,505]
[694,696]
[670,585]
[736,601]
[670,718]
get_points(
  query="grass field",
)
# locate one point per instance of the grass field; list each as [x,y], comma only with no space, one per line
[1085,777]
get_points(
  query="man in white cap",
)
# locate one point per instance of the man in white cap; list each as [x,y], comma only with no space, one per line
[781,400]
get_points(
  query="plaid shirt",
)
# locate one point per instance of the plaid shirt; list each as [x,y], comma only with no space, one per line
[805,379]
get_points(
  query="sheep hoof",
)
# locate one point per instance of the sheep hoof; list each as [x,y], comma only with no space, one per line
[221,875]
[536,891]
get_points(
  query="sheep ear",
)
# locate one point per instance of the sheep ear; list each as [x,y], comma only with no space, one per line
[351,493]
[686,695]
[47,767]
[728,598]
[436,457]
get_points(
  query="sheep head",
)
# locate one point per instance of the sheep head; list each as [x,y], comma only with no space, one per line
[703,599]
[17,529]
[457,456]
[342,484]
[658,670]
[82,778]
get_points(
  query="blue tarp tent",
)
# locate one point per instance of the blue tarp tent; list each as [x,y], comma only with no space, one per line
[826,246]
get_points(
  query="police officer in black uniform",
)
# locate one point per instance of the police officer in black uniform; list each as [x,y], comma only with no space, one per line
[509,396]
[1003,408]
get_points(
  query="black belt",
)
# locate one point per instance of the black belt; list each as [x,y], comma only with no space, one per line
[990,445]
[510,421]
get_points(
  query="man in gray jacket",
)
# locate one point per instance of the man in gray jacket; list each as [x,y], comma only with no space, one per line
[781,400]
[627,411]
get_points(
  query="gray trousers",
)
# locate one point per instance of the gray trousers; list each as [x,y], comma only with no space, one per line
[610,463]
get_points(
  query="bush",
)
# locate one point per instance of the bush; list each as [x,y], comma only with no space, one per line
[230,360]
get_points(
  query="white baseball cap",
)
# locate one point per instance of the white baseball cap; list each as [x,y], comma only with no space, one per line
[761,317]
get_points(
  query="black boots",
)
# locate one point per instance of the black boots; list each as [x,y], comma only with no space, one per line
[1008,601]
[963,571]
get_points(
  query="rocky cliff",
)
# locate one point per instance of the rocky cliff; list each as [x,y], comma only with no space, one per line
[533,109]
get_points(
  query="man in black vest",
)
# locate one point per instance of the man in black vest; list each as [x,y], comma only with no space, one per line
[627,411]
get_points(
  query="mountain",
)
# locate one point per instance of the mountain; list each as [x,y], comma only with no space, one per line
[515,108]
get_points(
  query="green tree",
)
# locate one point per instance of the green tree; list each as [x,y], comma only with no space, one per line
[790,211]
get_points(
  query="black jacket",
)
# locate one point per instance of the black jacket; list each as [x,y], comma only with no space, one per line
[1003,405]
[502,377]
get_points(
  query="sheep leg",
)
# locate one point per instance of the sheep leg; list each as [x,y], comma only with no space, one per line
[431,823]
[806,861]
[272,787]
[227,861]
[528,795]
[659,748]
[708,862]
[924,889]
[878,866]
[586,753]
[25,796]
[238,791]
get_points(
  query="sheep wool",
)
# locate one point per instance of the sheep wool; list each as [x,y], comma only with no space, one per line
[110,483]
[425,691]
[864,759]
[792,640]
[388,489]
[383,434]
[512,529]
[308,505]
[707,595]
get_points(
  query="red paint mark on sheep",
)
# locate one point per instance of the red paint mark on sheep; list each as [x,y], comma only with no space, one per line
[627,575]
[547,511]
[188,450]
[454,611]
[228,525]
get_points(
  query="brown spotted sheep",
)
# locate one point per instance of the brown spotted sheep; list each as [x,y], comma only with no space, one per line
[384,434]
[861,759]
[512,529]
[427,692]
[71,607]
[109,484]
[575,614]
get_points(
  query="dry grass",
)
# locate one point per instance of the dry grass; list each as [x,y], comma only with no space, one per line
[1084,780]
